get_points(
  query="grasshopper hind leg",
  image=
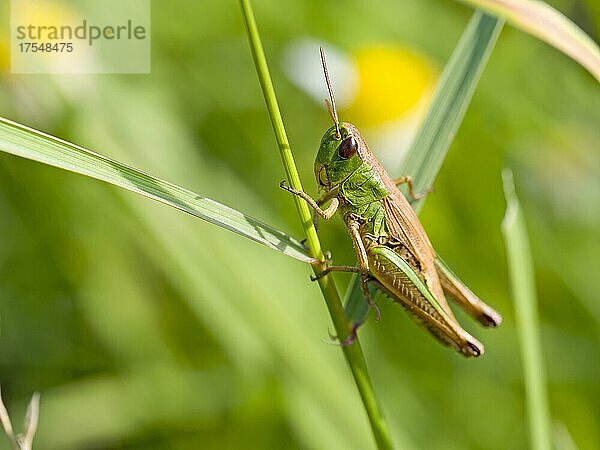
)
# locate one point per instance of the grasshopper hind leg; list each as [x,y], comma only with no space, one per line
[425,310]
[364,285]
[352,336]
[465,344]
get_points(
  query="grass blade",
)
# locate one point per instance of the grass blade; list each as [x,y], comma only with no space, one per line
[28,143]
[524,296]
[546,23]
[353,353]
[450,101]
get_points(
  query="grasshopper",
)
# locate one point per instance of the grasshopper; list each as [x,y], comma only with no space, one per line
[393,250]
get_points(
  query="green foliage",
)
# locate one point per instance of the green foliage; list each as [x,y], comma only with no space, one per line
[145,328]
[548,24]
[31,144]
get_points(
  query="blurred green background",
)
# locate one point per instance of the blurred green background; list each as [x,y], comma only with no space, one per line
[144,328]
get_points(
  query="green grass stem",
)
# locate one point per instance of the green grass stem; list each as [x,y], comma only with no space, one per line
[353,353]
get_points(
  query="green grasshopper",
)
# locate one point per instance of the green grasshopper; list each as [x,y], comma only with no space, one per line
[393,250]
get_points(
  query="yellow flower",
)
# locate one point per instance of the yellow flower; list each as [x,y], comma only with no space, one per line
[4,54]
[393,80]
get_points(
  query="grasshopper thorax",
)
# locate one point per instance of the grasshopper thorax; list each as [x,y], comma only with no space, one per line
[339,155]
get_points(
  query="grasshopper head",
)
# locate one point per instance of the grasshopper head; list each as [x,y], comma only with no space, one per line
[338,155]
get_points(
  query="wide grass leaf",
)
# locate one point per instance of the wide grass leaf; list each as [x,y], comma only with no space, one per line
[546,23]
[450,101]
[28,143]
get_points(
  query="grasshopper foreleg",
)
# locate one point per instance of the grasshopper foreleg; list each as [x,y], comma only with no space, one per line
[320,201]
[324,213]
[411,190]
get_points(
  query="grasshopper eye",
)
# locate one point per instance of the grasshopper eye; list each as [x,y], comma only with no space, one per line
[348,148]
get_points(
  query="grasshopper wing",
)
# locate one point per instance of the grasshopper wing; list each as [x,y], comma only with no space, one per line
[412,244]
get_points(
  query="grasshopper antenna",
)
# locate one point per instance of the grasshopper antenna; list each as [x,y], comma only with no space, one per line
[330,105]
